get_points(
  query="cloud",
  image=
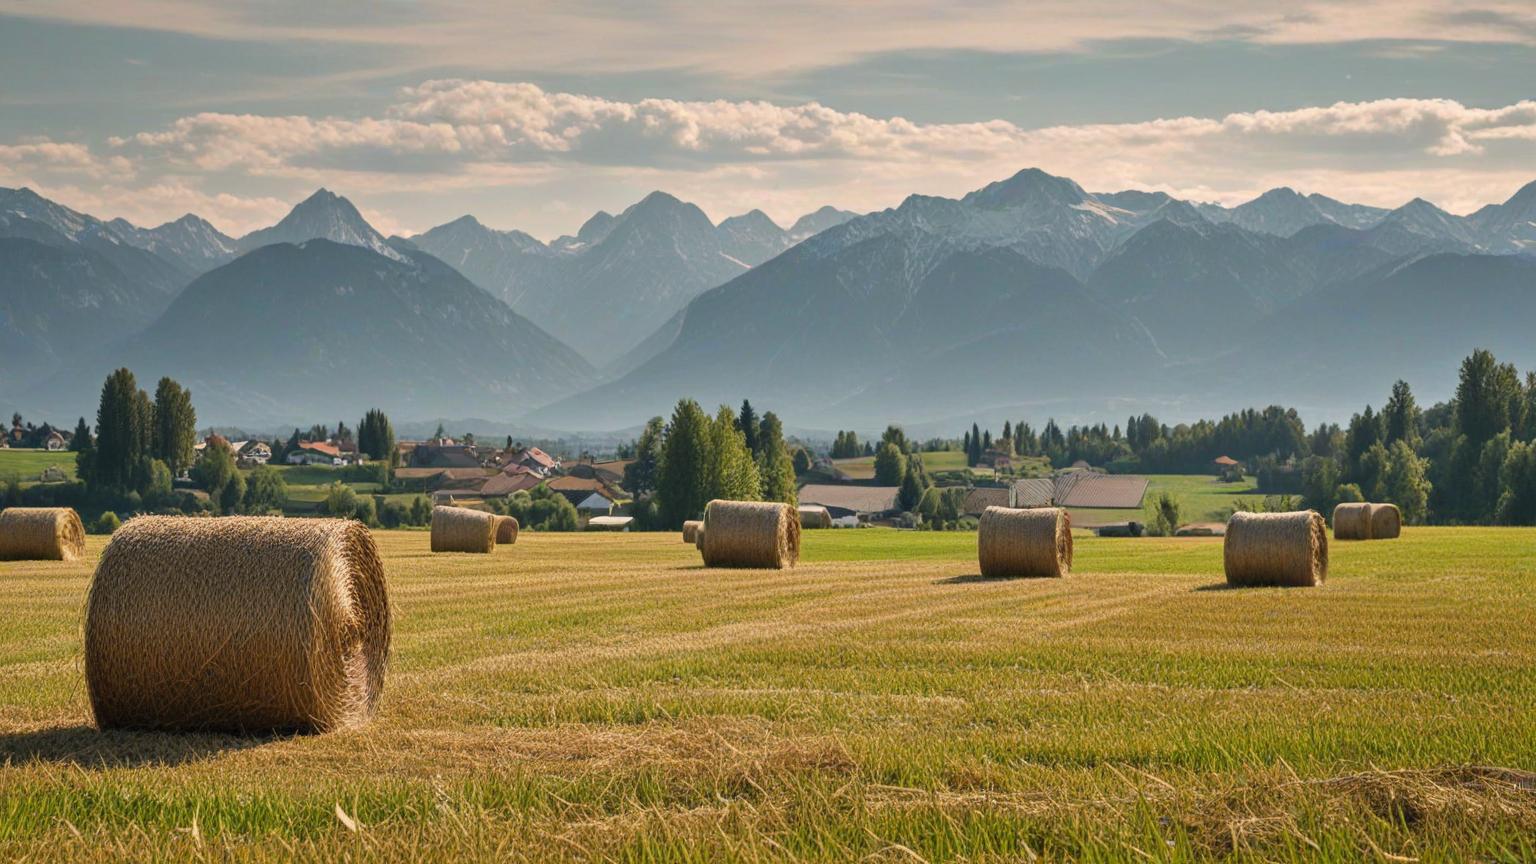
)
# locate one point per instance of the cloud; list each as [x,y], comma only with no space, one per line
[745,40]
[44,157]
[557,154]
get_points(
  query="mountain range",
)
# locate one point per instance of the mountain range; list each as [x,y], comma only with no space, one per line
[1028,296]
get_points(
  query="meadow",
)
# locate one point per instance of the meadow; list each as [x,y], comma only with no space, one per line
[603,696]
[28,465]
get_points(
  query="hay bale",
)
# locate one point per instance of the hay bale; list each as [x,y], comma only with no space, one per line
[506,529]
[1285,549]
[698,538]
[1386,522]
[1032,542]
[242,624]
[814,516]
[691,530]
[41,534]
[460,529]
[750,534]
[1352,521]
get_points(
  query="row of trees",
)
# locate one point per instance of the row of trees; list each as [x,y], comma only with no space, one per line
[681,464]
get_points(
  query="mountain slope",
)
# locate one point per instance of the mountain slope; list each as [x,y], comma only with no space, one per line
[189,241]
[321,329]
[325,216]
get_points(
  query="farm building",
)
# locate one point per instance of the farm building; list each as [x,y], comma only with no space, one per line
[504,484]
[55,441]
[979,499]
[534,460]
[610,523]
[610,472]
[1083,489]
[577,489]
[595,504]
[444,456]
[315,453]
[850,505]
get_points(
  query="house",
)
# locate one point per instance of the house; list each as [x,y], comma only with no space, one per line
[610,523]
[1033,492]
[610,472]
[1228,469]
[535,460]
[253,453]
[55,441]
[979,499]
[851,506]
[577,489]
[504,484]
[314,453]
[1082,489]
[596,504]
[444,456]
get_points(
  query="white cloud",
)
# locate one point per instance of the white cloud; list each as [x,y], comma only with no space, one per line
[43,157]
[448,139]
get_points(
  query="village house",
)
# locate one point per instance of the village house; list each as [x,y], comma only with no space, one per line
[851,506]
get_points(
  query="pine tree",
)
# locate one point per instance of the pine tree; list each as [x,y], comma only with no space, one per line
[681,489]
[82,440]
[890,465]
[640,475]
[1400,417]
[731,473]
[174,433]
[122,440]
[376,436]
[747,423]
[775,465]
[973,455]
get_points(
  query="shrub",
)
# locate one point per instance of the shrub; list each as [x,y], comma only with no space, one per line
[106,523]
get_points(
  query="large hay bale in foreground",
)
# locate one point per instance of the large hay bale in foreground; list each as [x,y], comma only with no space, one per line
[1284,549]
[750,534]
[506,529]
[242,624]
[1386,522]
[691,530]
[1352,521]
[1032,542]
[460,529]
[41,534]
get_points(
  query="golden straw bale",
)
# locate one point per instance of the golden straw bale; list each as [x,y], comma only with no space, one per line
[506,529]
[1386,522]
[1352,521]
[41,534]
[691,530]
[698,538]
[1286,549]
[460,529]
[241,624]
[1032,542]
[750,534]
[812,516]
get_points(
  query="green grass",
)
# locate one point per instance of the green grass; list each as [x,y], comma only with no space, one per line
[29,464]
[1201,497]
[603,696]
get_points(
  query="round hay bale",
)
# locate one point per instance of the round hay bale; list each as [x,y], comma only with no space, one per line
[698,538]
[41,534]
[750,534]
[1032,542]
[506,529]
[460,529]
[1352,521]
[812,516]
[242,624]
[1285,549]
[691,530]
[1386,522]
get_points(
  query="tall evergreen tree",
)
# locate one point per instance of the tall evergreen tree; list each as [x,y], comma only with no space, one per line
[890,465]
[122,447]
[747,423]
[376,436]
[640,475]
[82,440]
[973,455]
[775,465]
[1400,417]
[1484,396]
[731,473]
[174,436]
[681,483]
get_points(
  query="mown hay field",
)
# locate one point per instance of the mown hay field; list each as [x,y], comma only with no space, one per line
[602,696]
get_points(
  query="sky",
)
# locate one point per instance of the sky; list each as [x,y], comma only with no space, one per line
[534,116]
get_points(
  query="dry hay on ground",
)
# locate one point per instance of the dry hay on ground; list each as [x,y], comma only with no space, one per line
[41,534]
[1032,542]
[243,624]
[1386,522]
[1352,521]
[460,529]
[1284,549]
[750,534]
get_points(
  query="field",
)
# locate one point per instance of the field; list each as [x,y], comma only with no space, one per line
[602,696]
[28,464]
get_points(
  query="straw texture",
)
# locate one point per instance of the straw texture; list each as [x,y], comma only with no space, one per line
[1386,522]
[815,517]
[1032,542]
[459,529]
[691,530]
[241,624]
[698,537]
[41,534]
[1285,549]
[1352,521]
[506,529]
[750,534]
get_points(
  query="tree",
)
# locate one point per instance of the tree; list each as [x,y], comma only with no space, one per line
[122,440]
[1364,433]
[898,436]
[1400,417]
[681,483]
[640,475]
[1406,483]
[1163,515]
[82,439]
[265,490]
[775,467]
[803,461]
[174,435]
[914,484]
[340,500]
[376,437]
[890,465]
[731,473]
[1517,504]
[1484,395]
[973,453]
[215,471]
[747,423]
